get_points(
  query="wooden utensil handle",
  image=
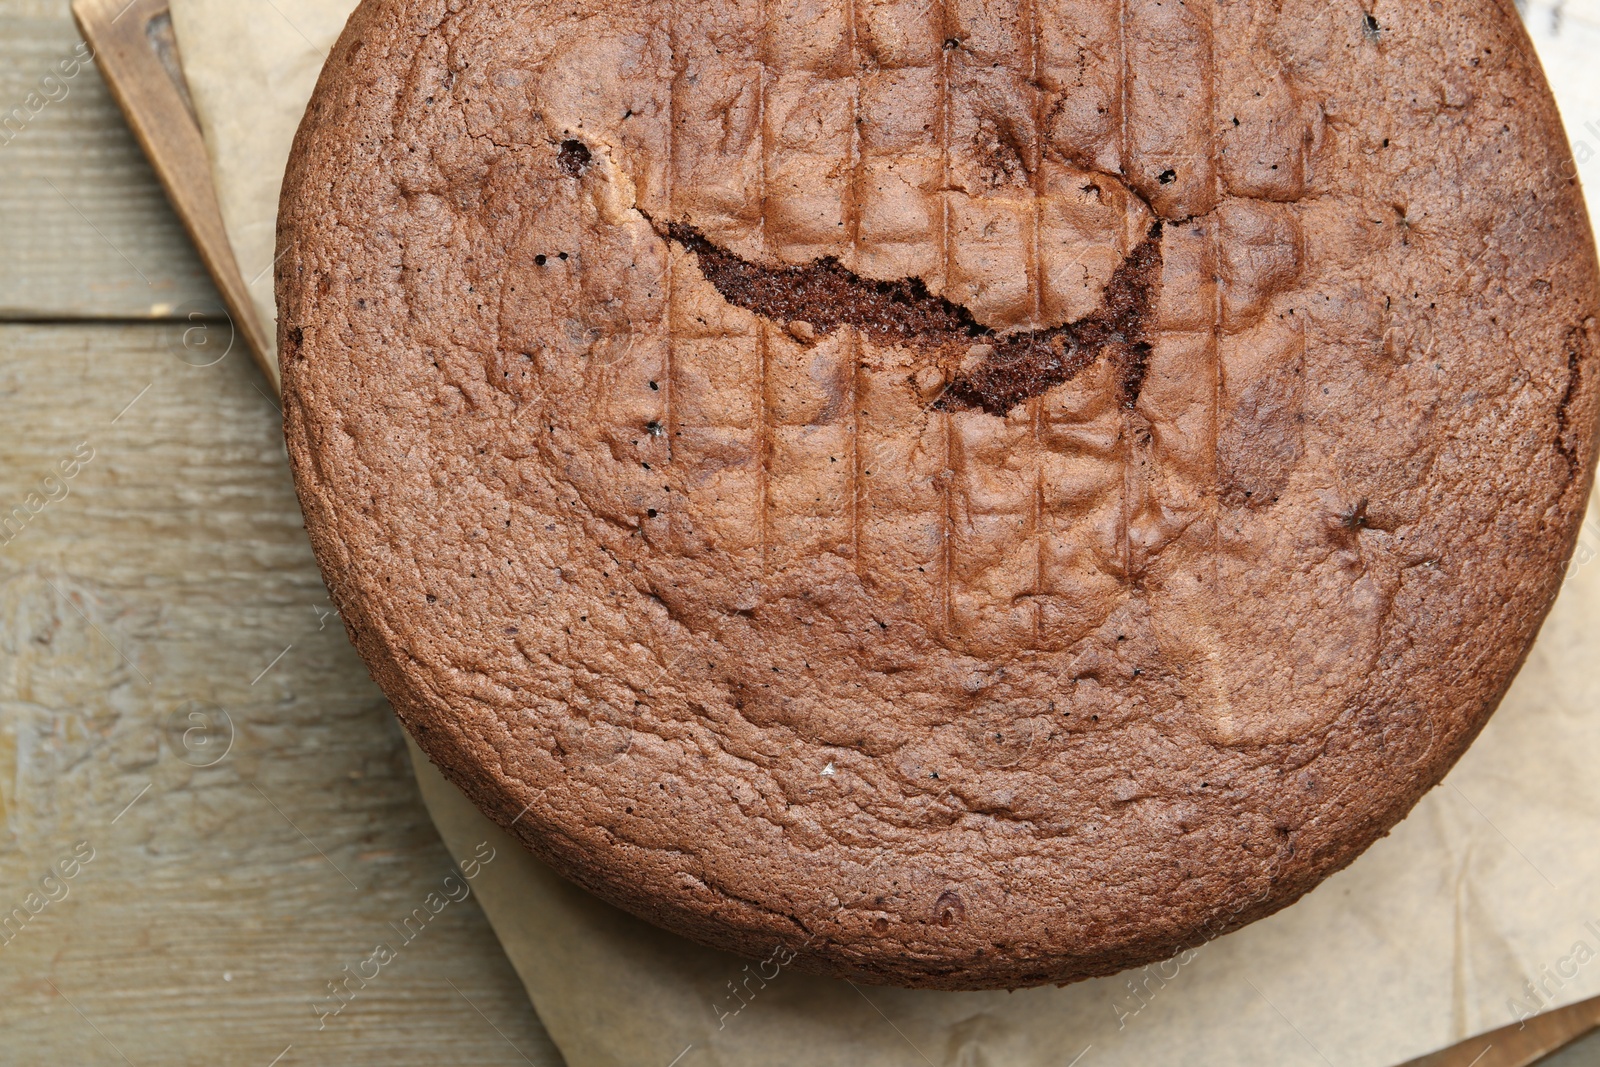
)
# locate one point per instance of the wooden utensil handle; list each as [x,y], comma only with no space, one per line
[138,57]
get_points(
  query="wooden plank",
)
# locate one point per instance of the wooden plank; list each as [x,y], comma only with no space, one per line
[87,229]
[137,54]
[158,567]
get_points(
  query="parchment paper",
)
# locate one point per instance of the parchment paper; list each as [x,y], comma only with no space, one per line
[1483,906]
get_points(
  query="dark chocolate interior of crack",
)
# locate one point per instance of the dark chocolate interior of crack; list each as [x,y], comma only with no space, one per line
[1020,364]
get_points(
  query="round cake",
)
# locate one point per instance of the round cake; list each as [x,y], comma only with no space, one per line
[970,494]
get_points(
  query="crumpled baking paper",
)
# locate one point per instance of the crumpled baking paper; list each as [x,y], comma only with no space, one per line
[1483,906]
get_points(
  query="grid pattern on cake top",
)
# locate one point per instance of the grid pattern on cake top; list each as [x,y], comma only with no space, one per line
[1009,156]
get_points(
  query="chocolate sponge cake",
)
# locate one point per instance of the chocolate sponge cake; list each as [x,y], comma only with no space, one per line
[975,494]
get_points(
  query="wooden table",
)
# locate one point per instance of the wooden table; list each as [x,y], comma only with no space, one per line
[176,698]
[240,861]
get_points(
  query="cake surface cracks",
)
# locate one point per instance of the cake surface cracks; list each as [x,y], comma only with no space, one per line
[1017,365]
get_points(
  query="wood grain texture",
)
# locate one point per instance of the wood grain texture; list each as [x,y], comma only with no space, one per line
[170,567]
[87,229]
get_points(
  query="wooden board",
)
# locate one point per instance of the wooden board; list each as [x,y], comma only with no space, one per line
[172,568]
[87,229]
[222,898]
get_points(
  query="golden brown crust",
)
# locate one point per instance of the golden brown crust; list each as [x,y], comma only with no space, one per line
[770,629]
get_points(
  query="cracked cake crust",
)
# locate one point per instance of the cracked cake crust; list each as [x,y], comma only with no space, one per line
[1014,366]
[978,496]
